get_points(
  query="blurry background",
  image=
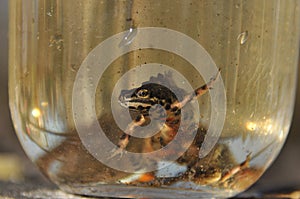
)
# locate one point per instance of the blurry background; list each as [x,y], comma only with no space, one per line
[283,175]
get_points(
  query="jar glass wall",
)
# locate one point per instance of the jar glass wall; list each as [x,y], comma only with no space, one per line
[105,95]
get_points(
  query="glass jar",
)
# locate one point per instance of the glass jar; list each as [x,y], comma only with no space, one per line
[153,99]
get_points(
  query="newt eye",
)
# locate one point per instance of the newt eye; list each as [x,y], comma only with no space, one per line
[142,93]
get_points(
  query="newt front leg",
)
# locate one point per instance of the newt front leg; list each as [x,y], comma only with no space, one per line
[124,139]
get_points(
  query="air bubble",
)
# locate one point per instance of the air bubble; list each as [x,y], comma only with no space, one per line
[129,37]
[243,37]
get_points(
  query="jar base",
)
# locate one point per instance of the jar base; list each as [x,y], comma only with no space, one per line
[121,191]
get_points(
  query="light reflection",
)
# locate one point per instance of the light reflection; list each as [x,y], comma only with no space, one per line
[36,112]
[265,127]
[281,135]
[251,126]
[44,104]
[268,126]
